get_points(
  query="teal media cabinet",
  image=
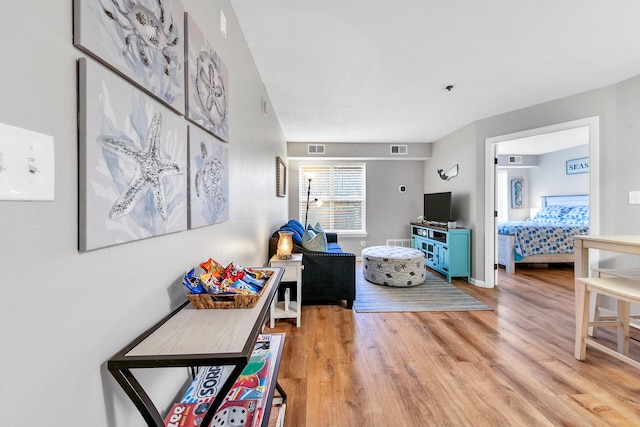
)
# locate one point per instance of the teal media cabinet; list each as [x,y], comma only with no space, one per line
[447,250]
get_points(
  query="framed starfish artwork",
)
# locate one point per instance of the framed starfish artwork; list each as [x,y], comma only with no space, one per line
[143,40]
[133,162]
[207,84]
[208,179]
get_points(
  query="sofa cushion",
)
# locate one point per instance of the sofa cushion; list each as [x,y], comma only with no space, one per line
[313,241]
[334,248]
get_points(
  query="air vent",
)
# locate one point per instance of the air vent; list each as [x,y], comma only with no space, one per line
[315,149]
[399,150]
[515,160]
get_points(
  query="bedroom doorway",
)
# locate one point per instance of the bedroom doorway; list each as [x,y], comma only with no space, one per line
[491,149]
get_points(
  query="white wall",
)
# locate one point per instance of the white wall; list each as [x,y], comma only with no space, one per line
[389,212]
[550,178]
[63,314]
[456,148]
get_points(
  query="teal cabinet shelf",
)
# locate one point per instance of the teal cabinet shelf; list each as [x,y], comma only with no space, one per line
[447,250]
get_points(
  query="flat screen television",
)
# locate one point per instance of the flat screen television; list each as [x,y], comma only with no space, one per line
[437,207]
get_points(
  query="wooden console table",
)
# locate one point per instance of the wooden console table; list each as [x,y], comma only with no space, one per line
[189,337]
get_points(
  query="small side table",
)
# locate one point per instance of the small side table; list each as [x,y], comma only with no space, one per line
[292,273]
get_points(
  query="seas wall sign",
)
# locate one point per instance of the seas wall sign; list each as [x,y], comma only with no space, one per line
[580,165]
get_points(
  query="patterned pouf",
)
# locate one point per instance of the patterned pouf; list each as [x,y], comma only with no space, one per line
[393,265]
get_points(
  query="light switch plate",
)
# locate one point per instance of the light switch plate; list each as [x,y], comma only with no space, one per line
[634,197]
[26,164]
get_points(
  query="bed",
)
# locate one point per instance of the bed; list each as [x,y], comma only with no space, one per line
[548,237]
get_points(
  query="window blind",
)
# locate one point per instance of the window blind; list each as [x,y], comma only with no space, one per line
[341,189]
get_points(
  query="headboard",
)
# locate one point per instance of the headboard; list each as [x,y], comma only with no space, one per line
[568,200]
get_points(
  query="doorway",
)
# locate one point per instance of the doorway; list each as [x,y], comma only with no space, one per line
[490,226]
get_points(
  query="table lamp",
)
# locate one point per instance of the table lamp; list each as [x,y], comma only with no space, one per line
[285,244]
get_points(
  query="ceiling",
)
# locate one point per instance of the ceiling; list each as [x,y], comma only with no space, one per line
[546,142]
[377,71]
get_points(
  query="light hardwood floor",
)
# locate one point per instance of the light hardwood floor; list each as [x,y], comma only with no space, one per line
[512,366]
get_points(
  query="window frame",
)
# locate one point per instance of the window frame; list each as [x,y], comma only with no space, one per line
[332,198]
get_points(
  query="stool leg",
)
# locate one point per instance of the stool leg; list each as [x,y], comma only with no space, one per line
[623,327]
[582,319]
[593,330]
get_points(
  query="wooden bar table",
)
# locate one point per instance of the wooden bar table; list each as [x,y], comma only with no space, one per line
[628,244]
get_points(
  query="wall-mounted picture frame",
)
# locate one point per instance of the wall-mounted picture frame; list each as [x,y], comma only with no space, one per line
[143,41]
[281,178]
[576,166]
[517,193]
[133,162]
[208,179]
[207,84]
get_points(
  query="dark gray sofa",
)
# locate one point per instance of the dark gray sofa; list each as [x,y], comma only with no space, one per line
[327,276]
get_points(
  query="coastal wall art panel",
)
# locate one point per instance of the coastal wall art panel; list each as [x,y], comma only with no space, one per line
[141,39]
[208,179]
[207,84]
[133,162]
[517,193]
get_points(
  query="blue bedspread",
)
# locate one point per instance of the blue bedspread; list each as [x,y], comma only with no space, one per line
[550,232]
[538,238]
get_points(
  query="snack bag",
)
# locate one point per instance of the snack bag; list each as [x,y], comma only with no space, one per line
[213,267]
[192,281]
[233,272]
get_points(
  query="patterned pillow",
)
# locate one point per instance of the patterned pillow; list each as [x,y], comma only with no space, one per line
[566,215]
[551,213]
[577,215]
[313,241]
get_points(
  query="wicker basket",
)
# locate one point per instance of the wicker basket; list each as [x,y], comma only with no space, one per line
[200,301]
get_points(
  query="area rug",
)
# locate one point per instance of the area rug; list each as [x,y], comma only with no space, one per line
[434,294]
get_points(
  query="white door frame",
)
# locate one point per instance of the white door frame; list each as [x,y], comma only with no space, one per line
[489,183]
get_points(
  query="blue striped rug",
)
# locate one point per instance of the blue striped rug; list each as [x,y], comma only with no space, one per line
[435,294]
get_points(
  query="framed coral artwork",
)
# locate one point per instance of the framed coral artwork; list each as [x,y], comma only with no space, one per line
[208,179]
[517,193]
[143,40]
[133,162]
[207,84]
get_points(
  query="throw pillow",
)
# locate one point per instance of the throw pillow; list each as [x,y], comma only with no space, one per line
[317,228]
[313,241]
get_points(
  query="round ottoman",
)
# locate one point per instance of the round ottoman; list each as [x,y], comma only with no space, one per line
[393,265]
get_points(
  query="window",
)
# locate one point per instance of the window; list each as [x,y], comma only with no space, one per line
[340,191]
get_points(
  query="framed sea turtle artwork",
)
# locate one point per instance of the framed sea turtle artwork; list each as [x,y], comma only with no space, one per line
[133,162]
[143,40]
[208,179]
[207,84]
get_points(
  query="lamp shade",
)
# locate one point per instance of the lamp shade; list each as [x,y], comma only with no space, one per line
[285,244]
